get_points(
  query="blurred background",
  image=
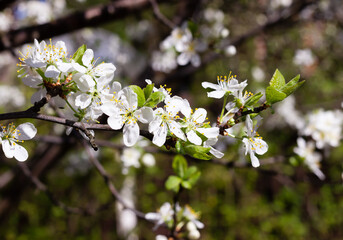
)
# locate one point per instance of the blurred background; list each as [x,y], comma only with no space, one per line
[286,198]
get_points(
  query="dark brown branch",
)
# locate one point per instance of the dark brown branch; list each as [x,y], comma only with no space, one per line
[88,18]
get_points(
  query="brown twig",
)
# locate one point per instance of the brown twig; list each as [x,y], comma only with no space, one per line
[109,183]
[160,16]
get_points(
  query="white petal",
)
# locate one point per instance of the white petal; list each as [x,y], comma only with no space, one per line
[26,131]
[160,135]
[261,147]
[64,67]
[130,134]
[216,94]
[195,60]
[254,160]
[174,127]
[183,58]
[109,108]
[155,124]
[144,114]
[78,67]
[32,81]
[210,85]
[38,95]
[200,115]
[116,122]
[52,72]
[88,57]
[83,100]
[212,132]
[20,153]
[8,149]
[249,125]
[194,138]
[216,153]
[131,98]
[246,145]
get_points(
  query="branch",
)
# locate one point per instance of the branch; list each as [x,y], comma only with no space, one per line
[109,183]
[88,18]
[160,16]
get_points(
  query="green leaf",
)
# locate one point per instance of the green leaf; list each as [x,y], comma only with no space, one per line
[292,85]
[148,90]
[190,171]
[77,57]
[277,81]
[173,183]
[253,99]
[198,152]
[273,95]
[180,165]
[194,178]
[178,147]
[140,94]
[154,99]
[186,184]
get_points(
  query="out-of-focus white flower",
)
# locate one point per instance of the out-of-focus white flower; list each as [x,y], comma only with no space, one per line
[163,215]
[34,11]
[312,159]
[230,50]
[254,143]
[164,61]
[130,158]
[190,53]
[10,136]
[258,74]
[5,21]
[226,85]
[286,109]
[179,38]
[11,96]
[192,217]
[304,57]
[161,237]
[148,160]
[325,127]
[280,3]
[126,219]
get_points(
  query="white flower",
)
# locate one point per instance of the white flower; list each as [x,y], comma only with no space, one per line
[164,61]
[161,237]
[325,127]
[306,150]
[194,123]
[130,158]
[42,54]
[126,114]
[89,76]
[209,143]
[304,57]
[190,53]
[254,143]
[192,216]
[179,39]
[226,85]
[165,119]
[163,215]
[10,136]
[166,91]
[148,160]
[11,96]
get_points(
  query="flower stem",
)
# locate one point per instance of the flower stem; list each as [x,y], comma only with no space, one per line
[70,106]
[223,109]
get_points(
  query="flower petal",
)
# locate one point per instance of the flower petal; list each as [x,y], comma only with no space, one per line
[26,131]
[52,72]
[83,100]
[210,85]
[116,122]
[8,149]
[144,114]
[193,137]
[199,115]
[174,127]
[254,160]
[20,153]
[160,135]
[130,134]
[261,147]
[216,94]
[87,58]
[212,132]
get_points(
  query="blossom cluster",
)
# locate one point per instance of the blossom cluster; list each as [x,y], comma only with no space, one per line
[185,44]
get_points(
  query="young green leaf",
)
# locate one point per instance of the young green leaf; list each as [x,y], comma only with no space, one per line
[148,90]
[180,165]
[140,95]
[253,99]
[186,184]
[77,57]
[154,99]
[277,81]
[173,183]
[198,152]
[273,95]
[292,85]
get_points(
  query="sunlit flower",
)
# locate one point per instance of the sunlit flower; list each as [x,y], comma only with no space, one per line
[225,85]
[126,114]
[163,215]
[192,216]
[253,142]
[10,136]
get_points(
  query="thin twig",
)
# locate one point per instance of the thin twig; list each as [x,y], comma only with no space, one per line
[109,183]
[160,16]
